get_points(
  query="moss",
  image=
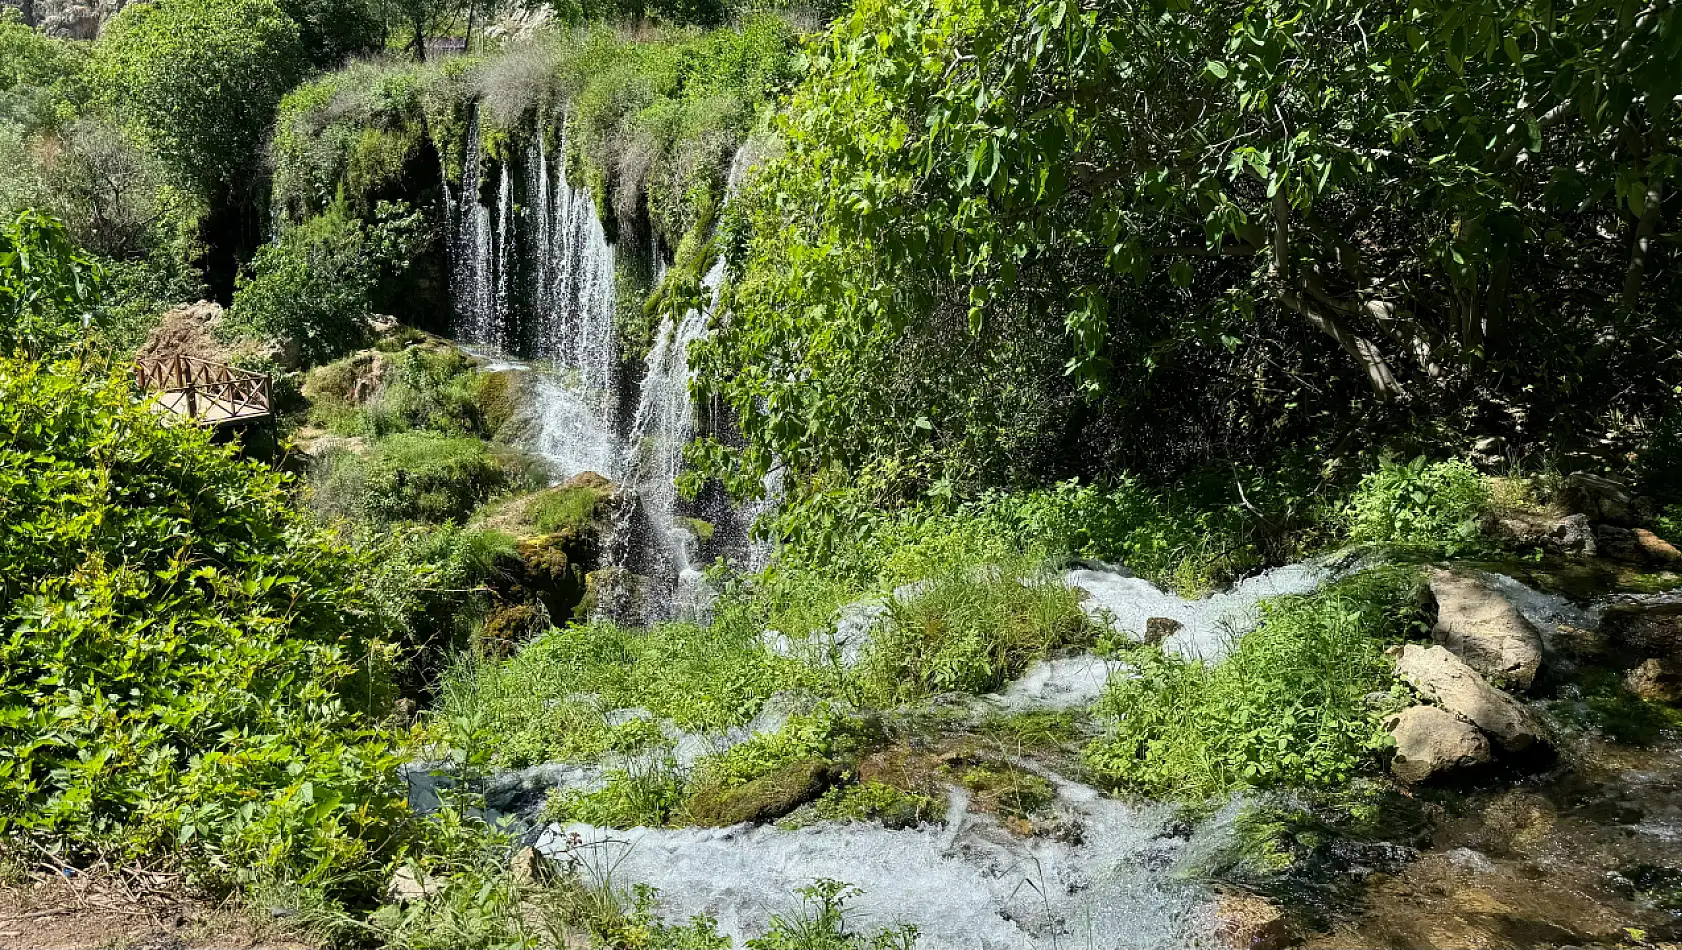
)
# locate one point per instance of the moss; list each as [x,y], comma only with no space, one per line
[1006,790]
[508,627]
[701,528]
[766,798]
[879,802]
[501,396]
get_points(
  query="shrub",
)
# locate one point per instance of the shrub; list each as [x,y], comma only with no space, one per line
[640,797]
[186,666]
[47,286]
[1288,707]
[417,476]
[1435,505]
[529,708]
[312,287]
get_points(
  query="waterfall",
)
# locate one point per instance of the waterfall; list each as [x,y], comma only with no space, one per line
[533,282]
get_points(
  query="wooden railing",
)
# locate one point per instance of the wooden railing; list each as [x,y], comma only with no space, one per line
[211,393]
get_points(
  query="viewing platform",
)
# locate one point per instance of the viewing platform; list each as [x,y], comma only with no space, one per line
[209,393]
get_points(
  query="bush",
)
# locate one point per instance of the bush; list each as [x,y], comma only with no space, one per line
[530,708]
[186,666]
[312,287]
[1288,707]
[1435,505]
[424,386]
[417,476]
[47,286]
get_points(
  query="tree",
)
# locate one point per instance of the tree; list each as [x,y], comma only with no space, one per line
[48,287]
[1450,203]
[333,31]
[199,80]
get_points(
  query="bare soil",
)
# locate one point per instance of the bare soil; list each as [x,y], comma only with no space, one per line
[124,911]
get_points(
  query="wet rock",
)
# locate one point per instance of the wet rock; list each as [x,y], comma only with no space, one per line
[1636,544]
[764,799]
[1248,922]
[1579,642]
[1158,629]
[1442,678]
[616,593]
[1656,680]
[1431,741]
[1603,499]
[1646,627]
[1484,629]
[1567,535]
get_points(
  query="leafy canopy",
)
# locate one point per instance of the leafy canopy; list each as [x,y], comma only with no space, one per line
[200,80]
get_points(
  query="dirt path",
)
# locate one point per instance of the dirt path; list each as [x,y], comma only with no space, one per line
[44,914]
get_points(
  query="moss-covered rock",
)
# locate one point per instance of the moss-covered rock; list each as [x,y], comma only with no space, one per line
[617,593]
[506,628]
[764,799]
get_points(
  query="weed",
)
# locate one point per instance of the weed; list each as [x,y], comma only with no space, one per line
[821,924]
[968,632]
[642,796]
[1421,505]
[1288,707]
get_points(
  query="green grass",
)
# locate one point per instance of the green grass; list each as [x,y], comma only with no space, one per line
[968,632]
[1287,707]
[568,509]
[417,476]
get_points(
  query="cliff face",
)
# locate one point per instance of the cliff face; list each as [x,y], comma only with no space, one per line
[72,19]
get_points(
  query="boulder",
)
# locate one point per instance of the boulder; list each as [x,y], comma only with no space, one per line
[1442,678]
[1248,922]
[1602,499]
[529,868]
[1645,627]
[1158,629]
[1636,544]
[764,799]
[1431,741]
[1568,535]
[408,886]
[1480,626]
[1656,681]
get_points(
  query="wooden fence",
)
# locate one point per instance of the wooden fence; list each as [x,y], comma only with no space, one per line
[211,393]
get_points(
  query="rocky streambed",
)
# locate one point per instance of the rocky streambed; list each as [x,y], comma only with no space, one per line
[1535,796]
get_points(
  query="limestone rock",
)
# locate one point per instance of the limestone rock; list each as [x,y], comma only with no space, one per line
[1431,741]
[1442,678]
[1603,499]
[1480,626]
[1568,535]
[407,886]
[764,799]
[1158,629]
[1656,680]
[528,867]
[1248,922]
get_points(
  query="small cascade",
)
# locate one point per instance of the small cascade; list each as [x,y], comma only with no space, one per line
[472,251]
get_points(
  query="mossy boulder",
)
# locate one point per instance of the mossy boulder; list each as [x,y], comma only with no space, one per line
[506,628]
[502,400]
[617,593]
[764,799]
[560,534]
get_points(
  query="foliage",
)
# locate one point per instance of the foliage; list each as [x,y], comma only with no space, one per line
[532,708]
[1435,505]
[422,386]
[40,76]
[968,633]
[1287,707]
[48,286]
[874,801]
[644,797]
[826,732]
[566,510]
[186,663]
[417,476]
[311,289]
[199,80]
[821,924]
[1234,226]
